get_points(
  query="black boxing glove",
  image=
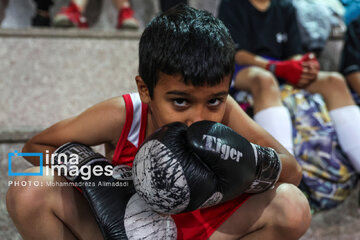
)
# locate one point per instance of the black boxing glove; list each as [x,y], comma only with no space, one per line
[179,169]
[119,211]
[167,174]
[234,159]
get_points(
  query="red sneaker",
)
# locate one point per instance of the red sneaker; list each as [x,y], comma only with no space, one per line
[70,16]
[126,19]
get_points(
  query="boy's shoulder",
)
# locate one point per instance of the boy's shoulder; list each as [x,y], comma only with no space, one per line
[112,107]
[110,116]
[115,108]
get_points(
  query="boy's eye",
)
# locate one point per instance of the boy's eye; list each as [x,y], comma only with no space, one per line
[214,102]
[180,102]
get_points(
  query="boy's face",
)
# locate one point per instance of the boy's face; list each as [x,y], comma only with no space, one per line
[174,101]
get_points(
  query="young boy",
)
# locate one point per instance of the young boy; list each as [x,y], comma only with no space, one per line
[186,63]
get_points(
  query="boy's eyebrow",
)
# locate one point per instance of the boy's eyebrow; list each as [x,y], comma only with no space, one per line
[222,93]
[219,94]
[177,93]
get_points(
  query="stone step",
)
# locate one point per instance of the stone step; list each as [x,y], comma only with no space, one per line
[71,33]
[49,74]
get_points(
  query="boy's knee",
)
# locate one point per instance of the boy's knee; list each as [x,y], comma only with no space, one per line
[335,82]
[294,211]
[24,197]
[264,82]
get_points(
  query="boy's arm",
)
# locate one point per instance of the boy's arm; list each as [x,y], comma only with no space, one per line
[244,57]
[299,70]
[101,123]
[238,120]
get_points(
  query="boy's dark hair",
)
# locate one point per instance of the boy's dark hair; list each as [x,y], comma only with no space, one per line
[186,41]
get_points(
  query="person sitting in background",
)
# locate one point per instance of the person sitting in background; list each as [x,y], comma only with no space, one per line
[73,15]
[269,54]
[350,59]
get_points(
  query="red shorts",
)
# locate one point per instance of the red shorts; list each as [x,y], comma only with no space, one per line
[202,223]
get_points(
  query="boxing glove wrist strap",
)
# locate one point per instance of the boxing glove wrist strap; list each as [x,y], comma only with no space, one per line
[73,156]
[267,171]
[271,66]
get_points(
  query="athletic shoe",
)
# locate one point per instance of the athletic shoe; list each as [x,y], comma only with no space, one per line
[126,19]
[70,16]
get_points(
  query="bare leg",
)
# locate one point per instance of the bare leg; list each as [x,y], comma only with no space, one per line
[81,4]
[269,111]
[50,212]
[333,88]
[281,213]
[262,85]
[343,111]
[119,4]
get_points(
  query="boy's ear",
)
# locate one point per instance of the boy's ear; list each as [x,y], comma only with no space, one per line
[143,90]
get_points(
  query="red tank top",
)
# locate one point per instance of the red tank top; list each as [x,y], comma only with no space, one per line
[199,224]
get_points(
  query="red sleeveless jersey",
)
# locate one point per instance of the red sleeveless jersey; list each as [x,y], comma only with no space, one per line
[199,224]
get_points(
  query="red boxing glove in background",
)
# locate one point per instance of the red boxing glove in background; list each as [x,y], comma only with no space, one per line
[309,57]
[311,61]
[290,70]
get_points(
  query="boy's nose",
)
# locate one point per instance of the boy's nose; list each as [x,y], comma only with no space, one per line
[195,116]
